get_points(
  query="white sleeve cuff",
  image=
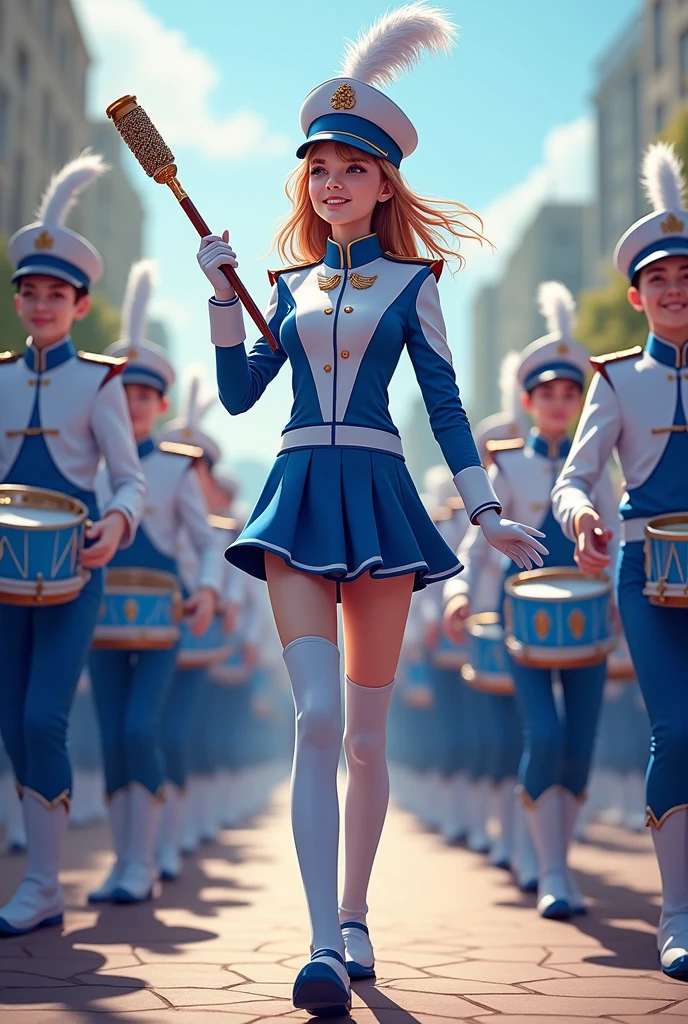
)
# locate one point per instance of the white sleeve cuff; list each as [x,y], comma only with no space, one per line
[567,501]
[226,323]
[475,488]
[455,587]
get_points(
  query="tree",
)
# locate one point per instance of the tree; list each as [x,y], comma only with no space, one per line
[606,321]
[93,334]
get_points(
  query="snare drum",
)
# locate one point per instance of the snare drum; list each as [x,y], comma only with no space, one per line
[558,618]
[666,560]
[140,610]
[487,668]
[449,654]
[201,651]
[41,540]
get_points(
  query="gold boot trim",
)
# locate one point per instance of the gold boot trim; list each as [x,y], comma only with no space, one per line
[63,798]
[528,801]
[652,821]
[158,796]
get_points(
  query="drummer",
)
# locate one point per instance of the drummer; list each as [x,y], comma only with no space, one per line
[53,437]
[638,405]
[556,757]
[130,685]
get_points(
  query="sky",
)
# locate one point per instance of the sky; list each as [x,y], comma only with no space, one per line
[504,124]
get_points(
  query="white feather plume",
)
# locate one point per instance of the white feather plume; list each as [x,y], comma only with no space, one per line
[140,284]
[509,387]
[557,305]
[197,399]
[66,186]
[662,177]
[396,42]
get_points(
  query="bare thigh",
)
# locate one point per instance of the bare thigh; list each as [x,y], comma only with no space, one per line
[374,614]
[303,605]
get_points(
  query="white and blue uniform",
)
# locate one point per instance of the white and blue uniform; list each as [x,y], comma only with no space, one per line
[339,500]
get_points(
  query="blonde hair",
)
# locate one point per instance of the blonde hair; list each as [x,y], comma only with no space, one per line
[407,224]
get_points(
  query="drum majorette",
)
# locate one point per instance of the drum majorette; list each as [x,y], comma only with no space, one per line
[60,413]
[339,512]
[132,667]
[637,405]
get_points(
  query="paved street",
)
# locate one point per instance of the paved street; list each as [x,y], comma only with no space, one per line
[454,940]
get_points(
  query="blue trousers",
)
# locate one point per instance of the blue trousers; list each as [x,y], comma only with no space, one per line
[84,745]
[178,716]
[657,642]
[557,751]
[43,654]
[505,737]
[129,688]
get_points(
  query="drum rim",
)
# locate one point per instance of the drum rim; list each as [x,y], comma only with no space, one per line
[483,619]
[500,683]
[565,572]
[653,528]
[156,579]
[49,498]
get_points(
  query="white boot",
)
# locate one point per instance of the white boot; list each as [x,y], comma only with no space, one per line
[526,865]
[15,832]
[207,823]
[454,828]
[503,801]
[634,802]
[189,836]
[480,792]
[119,826]
[546,821]
[571,807]
[39,900]
[138,880]
[168,855]
[671,847]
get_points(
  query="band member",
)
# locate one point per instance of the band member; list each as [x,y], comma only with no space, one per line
[339,516]
[60,413]
[556,754]
[130,683]
[637,406]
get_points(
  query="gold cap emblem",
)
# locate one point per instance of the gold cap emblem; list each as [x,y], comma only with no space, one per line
[343,98]
[563,349]
[44,241]
[132,353]
[187,432]
[672,225]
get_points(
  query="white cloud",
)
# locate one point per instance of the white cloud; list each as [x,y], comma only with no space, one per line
[564,174]
[136,52]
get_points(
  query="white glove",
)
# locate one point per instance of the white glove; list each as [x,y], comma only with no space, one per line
[214,253]
[514,540]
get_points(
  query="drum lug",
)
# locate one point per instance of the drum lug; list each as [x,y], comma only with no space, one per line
[39,586]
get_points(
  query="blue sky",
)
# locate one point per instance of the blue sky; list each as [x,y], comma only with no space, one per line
[504,124]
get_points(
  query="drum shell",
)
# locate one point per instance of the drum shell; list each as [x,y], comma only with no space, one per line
[666,561]
[487,668]
[569,632]
[233,671]
[140,610]
[202,651]
[41,564]
[449,654]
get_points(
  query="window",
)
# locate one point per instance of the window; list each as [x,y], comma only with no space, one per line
[5,117]
[683,63]
[21,66]
[659,33]
[660,116]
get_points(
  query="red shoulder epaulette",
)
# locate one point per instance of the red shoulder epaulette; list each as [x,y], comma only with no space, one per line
[115,364]
[600,363]
[273,275]
[436,266]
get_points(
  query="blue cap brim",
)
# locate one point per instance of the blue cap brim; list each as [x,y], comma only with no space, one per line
[344,138]
[546,375]
[41,270]
[660,254]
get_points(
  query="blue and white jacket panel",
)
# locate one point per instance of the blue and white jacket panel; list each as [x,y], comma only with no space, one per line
[522,479]
[637,407]
[343,324]
[175,513]
[80,404]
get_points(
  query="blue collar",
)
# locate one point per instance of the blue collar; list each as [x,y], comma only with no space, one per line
[40,360]
[555,450]
[357,253]
[666,352]
[146,447]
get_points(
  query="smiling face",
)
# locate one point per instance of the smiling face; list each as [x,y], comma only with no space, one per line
[661,292]
[553,406]
[345,185]
[47,307]
[146,405]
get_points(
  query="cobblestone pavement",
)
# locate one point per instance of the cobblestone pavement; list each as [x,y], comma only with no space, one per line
[455,941]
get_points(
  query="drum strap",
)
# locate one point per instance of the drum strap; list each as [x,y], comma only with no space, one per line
[32,432]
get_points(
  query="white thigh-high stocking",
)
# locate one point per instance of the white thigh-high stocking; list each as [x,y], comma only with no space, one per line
[367,791]
[313,666]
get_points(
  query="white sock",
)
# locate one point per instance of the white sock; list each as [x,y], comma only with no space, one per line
[313,665]
[367,791]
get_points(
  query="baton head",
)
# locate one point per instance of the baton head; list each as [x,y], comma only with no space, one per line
[143,138]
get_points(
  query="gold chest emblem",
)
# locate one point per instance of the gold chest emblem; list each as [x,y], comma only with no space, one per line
[326,284]
[360,282]
[343,98]
[672,225]
[44,241]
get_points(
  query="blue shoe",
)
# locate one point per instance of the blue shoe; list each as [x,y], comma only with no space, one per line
[7,929]
[555,910]
[678,970]
[121,895]
[359,950]
[322,986]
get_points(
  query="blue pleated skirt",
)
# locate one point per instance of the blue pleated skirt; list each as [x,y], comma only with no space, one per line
[341,512]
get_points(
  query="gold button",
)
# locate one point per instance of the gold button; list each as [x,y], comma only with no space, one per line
[671,376]
[327,368]
[345,354]
[348,309]
[329,310]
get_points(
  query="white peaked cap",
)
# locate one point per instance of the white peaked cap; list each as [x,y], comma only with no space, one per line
[147,363]
[557,355]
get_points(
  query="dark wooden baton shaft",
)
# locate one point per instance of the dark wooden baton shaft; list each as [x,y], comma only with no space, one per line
[231,275]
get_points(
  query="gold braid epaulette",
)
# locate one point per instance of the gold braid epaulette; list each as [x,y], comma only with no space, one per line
[509,444]
[600,363]
[9,357]
[273,275]
[191,451]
